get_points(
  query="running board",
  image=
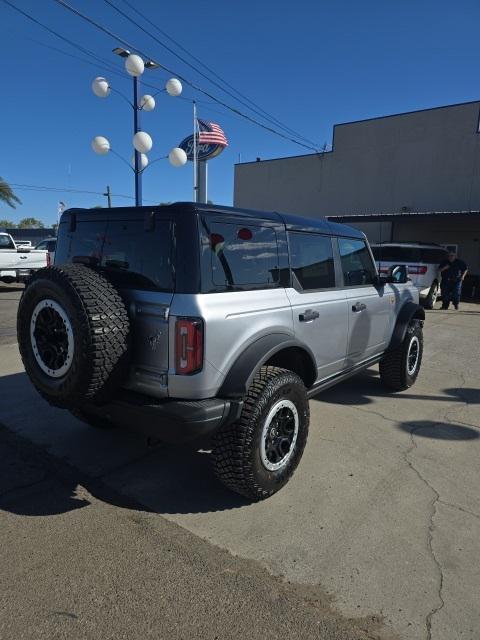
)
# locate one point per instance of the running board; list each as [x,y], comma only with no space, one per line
[344,375]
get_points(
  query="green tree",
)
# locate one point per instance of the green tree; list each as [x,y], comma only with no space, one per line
[7,196]
[30,223]
[8,224]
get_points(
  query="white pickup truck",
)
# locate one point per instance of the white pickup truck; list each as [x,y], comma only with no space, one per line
[17,263]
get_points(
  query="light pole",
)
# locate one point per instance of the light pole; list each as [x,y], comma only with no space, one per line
[142,141]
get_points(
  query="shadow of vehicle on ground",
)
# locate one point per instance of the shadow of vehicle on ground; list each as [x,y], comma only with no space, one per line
[114,465]
[439,430]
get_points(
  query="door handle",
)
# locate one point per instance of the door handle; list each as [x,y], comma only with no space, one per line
[23,257]
[308,315]
[359,306]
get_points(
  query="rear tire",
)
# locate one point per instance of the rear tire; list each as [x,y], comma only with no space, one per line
[432,297]
[399,368]
[73,334]
[257,455]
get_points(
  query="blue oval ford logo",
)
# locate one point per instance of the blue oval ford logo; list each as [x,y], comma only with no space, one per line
[204,151]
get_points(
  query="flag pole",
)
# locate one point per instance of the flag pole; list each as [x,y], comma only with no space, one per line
[195,159]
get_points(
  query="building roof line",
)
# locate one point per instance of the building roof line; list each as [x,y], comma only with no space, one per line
[408,113]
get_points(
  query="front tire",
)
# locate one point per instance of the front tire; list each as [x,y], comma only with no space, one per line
[257,455]
[399,368]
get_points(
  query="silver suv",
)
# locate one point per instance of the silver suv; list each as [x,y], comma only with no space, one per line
[192,321]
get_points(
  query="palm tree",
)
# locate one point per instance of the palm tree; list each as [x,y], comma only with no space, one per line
[7,196]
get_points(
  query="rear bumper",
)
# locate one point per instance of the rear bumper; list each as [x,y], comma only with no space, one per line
[174,421]
[15,275]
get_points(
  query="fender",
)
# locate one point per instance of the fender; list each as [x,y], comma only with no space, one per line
[243,370]
[410,311]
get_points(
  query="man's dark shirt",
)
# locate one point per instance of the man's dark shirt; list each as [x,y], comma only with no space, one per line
[455,269]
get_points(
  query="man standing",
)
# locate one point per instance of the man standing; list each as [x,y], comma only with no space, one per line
[453,273]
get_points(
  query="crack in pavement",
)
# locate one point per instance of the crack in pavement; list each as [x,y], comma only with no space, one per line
[462,509]
[433,506]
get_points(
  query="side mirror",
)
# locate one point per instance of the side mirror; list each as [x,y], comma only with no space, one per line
[398,274]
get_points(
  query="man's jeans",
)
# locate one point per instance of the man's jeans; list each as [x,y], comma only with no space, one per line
[451,291]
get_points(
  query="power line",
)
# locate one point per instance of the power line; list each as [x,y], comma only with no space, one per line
[33,187]
[100,63]
[188,82]
[242,100]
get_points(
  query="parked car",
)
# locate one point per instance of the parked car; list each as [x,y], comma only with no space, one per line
[17,263]
[49,245]
[191,321]
[422,260]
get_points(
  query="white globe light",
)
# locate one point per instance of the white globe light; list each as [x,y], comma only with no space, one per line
[142,142]
[134,65]
[174,87]
[147,102]
[100,145]
[177,157]
[100,87]
[143,161]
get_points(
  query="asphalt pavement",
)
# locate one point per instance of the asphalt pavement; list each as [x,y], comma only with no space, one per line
[376,536]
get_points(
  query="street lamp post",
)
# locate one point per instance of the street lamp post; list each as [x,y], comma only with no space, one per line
[135,66]
[142,142]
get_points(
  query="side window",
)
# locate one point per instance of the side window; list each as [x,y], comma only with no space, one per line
[86,241]
[134,257]
[357,265]
[311,259]
[42,245]
[6,243]
[243,256]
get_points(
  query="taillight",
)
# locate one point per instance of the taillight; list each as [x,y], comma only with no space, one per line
[417,269]
[49,260]
[188,345]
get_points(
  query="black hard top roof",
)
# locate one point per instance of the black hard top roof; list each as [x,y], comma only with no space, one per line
[292,222]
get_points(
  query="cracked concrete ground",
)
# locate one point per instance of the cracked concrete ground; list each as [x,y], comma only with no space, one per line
[383,513]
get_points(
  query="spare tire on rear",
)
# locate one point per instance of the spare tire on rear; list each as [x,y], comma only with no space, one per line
[73,334]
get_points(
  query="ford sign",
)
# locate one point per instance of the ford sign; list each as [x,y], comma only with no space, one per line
[211,141]
[205,151]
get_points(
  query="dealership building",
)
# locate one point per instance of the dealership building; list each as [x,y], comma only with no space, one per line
[407,177]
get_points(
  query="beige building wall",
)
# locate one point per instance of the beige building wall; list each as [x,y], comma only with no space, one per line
[421,161]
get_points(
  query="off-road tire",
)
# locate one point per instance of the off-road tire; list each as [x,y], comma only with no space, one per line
[394,366]
[432,296]
[100,328]
[236,451]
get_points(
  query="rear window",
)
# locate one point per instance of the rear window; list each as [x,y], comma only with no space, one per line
[238,256]
[136,258]
[409,254]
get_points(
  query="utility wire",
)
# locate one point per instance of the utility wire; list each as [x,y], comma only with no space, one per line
[99,62]
[246,102]
[188,82]
[32,187]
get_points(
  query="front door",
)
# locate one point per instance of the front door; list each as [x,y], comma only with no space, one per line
[370,307]
[319,308]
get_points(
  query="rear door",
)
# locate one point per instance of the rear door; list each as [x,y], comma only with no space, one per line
[370,308]
[138,259]
[319,308]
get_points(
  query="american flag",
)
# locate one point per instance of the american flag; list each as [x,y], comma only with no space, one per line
[211,133]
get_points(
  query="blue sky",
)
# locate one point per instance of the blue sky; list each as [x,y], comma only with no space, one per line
[310,64]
